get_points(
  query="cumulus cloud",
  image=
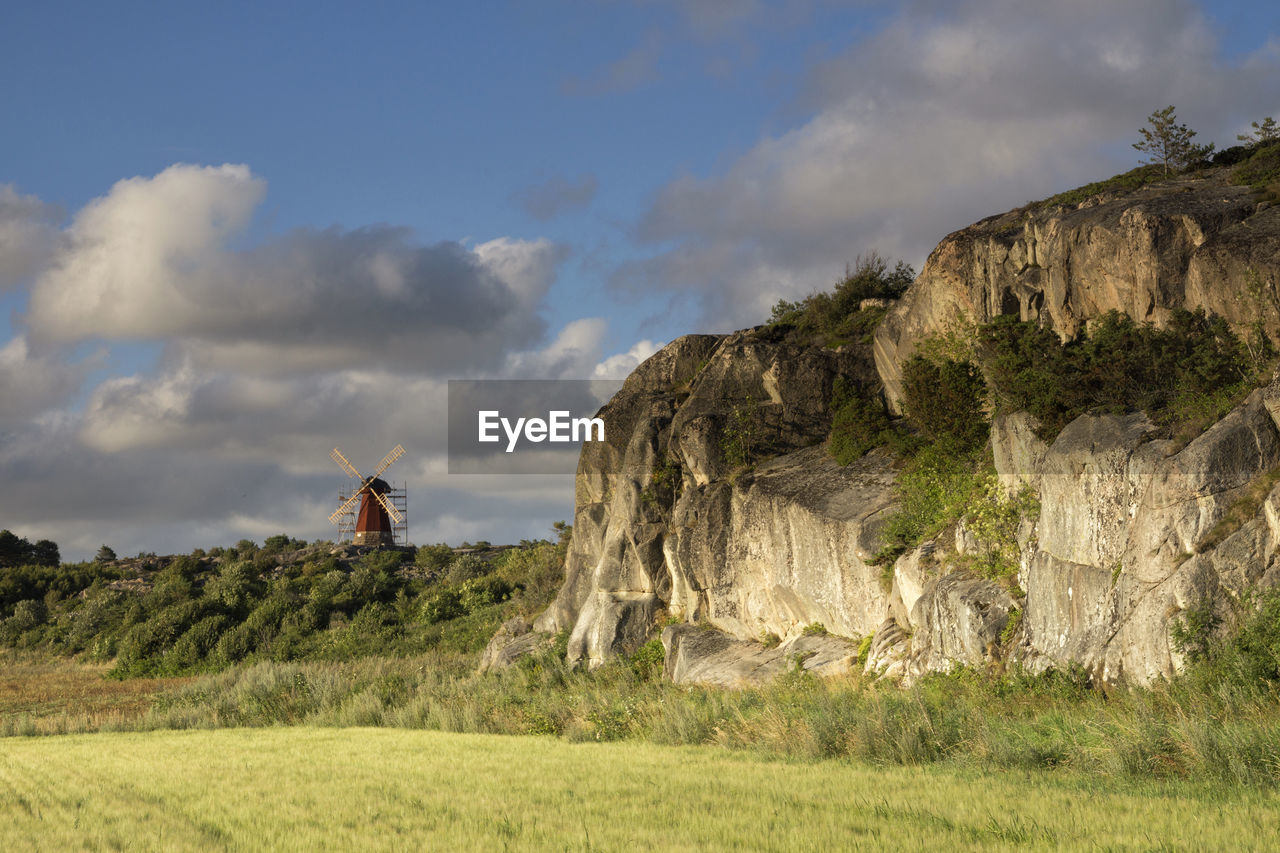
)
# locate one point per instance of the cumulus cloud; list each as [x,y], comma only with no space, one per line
[171,499]
[28,234]
[31,384]
[948,114]
[619,366]
[153,260]
[556,195]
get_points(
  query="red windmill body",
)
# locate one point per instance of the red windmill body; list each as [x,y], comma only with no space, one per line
[374,521]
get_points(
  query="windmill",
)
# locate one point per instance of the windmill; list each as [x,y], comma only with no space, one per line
[379,518]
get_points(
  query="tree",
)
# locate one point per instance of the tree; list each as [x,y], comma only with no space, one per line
[14,550]
[104,555]
[1266,131]
[1168,143]
[45,553]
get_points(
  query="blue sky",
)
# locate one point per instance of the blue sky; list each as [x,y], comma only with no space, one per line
[625,172]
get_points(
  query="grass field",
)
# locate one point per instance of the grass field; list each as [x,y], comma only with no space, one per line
[310,788]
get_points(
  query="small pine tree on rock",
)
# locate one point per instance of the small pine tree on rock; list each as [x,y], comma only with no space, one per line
[1168,143]
[1265,131]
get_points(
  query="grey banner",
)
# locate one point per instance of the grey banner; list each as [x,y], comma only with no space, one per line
[524,426]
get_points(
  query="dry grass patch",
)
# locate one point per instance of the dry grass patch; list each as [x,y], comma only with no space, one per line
[41,695]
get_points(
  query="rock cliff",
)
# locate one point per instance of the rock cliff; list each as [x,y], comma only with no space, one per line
[1184,243]
[715,508]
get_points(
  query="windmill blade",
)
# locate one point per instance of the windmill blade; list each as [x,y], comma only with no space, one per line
[388,459]
[386,504]
[337,456]
[345,508]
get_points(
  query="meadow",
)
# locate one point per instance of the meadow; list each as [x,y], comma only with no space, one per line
[308,788]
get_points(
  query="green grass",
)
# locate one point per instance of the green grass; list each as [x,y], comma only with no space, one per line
[1130,180]
[349,789]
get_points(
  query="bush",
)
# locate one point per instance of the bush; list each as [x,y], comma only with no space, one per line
[1194,364]
[935,488]
[433,558]
[1261,170]
[1131,180]
[647,661]
[994,518]
[233,587]
[1245,658]
[859,421]
[945,399]
[443,606]
[466,567]
[838,317]
[739,437]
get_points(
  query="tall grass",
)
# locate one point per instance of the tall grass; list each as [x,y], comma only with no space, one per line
[1017,721]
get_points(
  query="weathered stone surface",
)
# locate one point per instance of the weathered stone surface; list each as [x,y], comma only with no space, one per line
[1116,556]
[1183,243]
[768,550]
[703,655]
[1091,479]
[1018,451]
[516,639]
[1125,541]
[783,548]
[958,620]
[912,574]
[887,655]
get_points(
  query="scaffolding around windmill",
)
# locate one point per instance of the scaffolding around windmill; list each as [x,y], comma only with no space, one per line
[371,511]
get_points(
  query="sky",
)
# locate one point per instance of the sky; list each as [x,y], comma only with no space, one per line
[236,235]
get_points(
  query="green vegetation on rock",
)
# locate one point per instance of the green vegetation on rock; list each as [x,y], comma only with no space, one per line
[1187,374]
[839,317]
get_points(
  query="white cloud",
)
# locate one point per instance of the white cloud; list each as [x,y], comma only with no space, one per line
[28,235]
[621,365]
[31,384]
[272,355]
[153,260]
[572,355]
[946,115]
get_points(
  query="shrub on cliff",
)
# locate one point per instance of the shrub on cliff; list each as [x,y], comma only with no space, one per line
[859,421]
[838,317]
[945,399]
[1196,364]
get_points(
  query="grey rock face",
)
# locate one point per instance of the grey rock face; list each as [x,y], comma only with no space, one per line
[1183,243]
[703,655]
[516,639]
[959,619]
[669,523]
[1122,544]
[665,523]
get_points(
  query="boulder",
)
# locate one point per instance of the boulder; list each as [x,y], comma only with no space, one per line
[698,654]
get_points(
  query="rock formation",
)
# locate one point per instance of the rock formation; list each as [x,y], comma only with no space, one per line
[1183,243]
[672,527]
